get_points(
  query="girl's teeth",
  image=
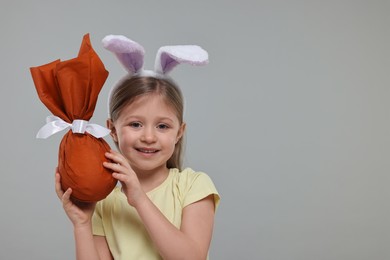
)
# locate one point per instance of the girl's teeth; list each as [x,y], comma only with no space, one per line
[147,151]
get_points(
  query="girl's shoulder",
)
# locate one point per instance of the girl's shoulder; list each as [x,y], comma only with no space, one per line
[193,185]
[188,176]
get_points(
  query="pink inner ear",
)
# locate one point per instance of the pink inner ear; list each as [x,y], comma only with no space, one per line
[167,62]
[133,62]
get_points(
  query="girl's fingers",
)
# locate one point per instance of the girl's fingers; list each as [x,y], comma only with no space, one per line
[114,167]
[66,196]
[121,177]
[58,188]
[63,196]
[117,162]
[116,157]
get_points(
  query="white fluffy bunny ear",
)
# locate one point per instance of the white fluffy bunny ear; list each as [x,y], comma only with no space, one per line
[129,53]
[169,56]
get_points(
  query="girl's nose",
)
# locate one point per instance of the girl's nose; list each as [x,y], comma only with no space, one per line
[148,135]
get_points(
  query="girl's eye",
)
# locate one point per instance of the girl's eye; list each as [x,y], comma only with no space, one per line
[162,126]
[135,124]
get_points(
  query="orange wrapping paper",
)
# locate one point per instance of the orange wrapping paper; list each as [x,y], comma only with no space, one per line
[69,89]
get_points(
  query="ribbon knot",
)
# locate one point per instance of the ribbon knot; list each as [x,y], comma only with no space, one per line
[79,126]
[54,124]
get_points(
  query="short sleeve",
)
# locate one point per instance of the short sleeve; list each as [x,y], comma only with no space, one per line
[198,185]
[97,223]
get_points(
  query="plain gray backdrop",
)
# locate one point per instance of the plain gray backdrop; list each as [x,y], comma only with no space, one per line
[291,119]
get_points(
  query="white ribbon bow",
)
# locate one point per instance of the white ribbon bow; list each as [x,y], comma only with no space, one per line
[55,124]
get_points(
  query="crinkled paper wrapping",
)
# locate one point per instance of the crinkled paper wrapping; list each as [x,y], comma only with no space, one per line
[69,89]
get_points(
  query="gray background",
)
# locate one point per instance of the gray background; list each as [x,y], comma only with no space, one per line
[291,119]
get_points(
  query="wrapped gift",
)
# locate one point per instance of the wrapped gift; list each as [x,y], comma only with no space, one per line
[70,89]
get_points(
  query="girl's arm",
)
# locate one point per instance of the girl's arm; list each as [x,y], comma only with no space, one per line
[192,240]
[87,247]
[102,247]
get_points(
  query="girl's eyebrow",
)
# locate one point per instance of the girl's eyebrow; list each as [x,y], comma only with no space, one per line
[166,118]
[138,117]
[130,117]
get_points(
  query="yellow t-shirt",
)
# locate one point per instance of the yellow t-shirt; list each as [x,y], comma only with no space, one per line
[119,222]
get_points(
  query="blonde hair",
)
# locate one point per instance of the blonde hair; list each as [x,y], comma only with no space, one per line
[128,90]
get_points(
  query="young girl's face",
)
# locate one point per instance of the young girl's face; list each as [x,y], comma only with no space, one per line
[146,132]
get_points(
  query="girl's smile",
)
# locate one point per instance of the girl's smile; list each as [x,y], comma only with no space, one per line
[147,152]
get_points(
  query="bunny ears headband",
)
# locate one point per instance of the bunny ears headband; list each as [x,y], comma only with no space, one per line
[131,55]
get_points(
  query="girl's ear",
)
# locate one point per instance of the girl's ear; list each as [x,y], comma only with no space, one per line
[110,125]
[181,132]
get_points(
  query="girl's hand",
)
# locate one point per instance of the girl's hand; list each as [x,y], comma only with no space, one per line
[79,214]
[123,172]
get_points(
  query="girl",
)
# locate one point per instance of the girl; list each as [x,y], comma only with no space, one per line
[160,211]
